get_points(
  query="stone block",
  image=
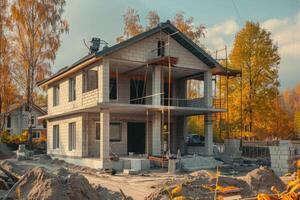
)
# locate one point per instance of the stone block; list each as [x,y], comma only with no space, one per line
[131,172]
[140,164]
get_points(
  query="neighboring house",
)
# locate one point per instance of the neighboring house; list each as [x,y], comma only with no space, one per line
[17,120]
[115,99]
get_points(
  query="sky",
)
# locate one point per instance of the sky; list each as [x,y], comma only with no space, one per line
[222,18]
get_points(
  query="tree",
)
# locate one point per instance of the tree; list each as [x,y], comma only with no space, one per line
[7,89]
[38,25]
[255,54]
[153,19]
[132,25]
[188,27]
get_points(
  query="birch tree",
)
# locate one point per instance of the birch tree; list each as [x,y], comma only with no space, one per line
[7,89]
[37,29]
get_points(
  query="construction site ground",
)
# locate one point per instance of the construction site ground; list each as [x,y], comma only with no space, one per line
[148,184]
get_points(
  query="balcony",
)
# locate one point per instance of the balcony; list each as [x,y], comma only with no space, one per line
[177,102]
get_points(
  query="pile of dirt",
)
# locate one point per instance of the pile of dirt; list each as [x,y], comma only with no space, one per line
[259,180]
[195,186]
[47,160]
[38,183]
[262,179]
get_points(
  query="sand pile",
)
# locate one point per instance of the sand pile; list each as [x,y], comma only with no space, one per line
[258,180]
[40,184]
[262,179]
[192,186]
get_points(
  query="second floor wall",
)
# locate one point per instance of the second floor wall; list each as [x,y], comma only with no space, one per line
[104,80]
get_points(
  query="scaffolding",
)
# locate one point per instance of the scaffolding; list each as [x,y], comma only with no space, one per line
[157,56]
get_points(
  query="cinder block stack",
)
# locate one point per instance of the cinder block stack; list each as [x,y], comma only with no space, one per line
[231,150]
[283,157]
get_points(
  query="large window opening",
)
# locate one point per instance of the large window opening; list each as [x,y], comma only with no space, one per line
[72,136]
[72,89]
[55,95]
[8,124]
[160,48]
[115,134]
[97,131]
[90,80]
[55,137]
[137,91]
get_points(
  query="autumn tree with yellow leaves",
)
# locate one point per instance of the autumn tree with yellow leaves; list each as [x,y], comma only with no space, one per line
[255,54]
[36,31]
[7,89]
[133,26]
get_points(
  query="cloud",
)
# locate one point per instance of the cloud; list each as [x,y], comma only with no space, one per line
[285,32]
[219,35]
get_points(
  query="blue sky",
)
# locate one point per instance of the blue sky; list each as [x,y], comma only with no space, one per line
[223,18]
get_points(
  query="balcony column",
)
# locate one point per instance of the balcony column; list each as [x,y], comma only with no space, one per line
[156,85]
[208,131]
[208,89]
[156,133]
[103,81]
[104,139]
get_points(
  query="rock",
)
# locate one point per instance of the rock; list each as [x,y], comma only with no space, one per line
[262,179]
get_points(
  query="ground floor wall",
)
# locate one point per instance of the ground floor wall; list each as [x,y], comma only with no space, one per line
[62,147]
[93,130]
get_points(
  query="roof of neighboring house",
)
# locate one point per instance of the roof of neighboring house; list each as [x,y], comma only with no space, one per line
[15,106]
[166,27]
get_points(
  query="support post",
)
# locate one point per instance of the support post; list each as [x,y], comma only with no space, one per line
[104,139]
[156,85]
[156,134]
[103,81]
[208,89]
[208,131]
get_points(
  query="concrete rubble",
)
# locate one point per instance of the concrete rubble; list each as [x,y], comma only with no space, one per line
[195,162]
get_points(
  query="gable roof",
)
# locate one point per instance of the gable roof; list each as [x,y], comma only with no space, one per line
[16,106]
[166,27]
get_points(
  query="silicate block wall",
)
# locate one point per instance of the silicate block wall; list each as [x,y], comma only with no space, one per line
[64,136]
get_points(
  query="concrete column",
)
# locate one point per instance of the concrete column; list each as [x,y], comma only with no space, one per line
[208,89]
[104,138]
[156,134]
[208,131]
[182,127]
[156,85]
[103,81]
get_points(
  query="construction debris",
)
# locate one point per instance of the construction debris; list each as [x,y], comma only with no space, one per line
[38,183]
[262,179]
[202,184]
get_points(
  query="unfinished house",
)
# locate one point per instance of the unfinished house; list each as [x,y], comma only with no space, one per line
[130,99]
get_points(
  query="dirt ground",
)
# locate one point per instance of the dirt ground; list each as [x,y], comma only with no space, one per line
[147,184]
[135,186]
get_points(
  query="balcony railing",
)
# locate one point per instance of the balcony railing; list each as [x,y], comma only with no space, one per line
[178,102]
